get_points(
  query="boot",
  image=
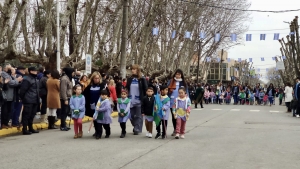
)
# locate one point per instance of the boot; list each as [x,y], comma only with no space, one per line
[31,128]
[51,124]
[25,131]
[43,119]
[80,134]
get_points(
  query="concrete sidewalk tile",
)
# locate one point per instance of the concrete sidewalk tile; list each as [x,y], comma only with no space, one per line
[41,126]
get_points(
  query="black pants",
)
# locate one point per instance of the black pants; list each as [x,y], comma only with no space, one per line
[280,101]
[173,120]
[99,129]
[123,127]
[288,105]
[201,103]
[298,107]
[29,111]
[44,105]
[163,124]
[6,110]
[65,110]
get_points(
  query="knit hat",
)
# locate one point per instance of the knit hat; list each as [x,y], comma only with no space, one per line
[32,69]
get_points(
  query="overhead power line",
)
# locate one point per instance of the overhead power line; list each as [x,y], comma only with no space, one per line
[236,9]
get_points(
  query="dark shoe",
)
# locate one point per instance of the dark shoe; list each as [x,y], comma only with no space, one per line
[202,107]
[94,135]
[26,133]
[34,131]
[107,136]
[135,133]
[157,135]
[122,135]
[97,137]
[163,137]
[4,126]
[68,128]
[63,129]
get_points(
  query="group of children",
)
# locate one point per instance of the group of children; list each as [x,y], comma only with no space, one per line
[155,108]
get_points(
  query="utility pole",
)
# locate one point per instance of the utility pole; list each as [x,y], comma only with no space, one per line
[57,38]
[199,56]
[124,38]
[220,66]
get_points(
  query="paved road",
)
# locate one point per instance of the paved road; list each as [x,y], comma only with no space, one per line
[219,136]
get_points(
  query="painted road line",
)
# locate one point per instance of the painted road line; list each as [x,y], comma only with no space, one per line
[235,109]
[216,109]
[272,111]
[197,109]
[255,110]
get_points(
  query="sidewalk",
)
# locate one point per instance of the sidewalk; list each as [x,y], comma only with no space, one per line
[43,126]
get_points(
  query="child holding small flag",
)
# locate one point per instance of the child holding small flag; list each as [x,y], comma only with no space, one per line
[181,112]
[123,107]
[147,111]
[164,111]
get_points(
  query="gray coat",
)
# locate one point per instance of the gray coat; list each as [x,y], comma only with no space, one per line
[11,85]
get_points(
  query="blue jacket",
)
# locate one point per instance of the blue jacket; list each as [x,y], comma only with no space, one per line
[77,103]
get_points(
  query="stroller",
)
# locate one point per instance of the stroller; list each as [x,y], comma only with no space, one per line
[265,100]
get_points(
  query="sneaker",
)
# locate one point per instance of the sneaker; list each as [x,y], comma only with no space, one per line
[297,116]
[163,137]
[150,135]
[177,136]
[157,135]
[147,134]
[182,136]
[106,136]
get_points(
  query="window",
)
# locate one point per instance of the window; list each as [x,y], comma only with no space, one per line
[212,71]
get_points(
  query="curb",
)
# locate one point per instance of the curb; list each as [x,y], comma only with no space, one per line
[44,126]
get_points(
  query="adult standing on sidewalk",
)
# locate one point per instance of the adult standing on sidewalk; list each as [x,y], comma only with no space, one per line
[10,95]
[53,97]
[174,84]
[29,94]
[43,95]
[66,87]
[297,95]
[288,96]
[136,86]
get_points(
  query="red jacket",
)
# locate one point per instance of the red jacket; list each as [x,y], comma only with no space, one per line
[113,93]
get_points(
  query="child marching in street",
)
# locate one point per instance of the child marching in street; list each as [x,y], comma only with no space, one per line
[77,105]
[102,115]
[165,102]
[147,111]
[123,107]
[181,112]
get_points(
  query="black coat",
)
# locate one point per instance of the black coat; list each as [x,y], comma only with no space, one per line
[273,91]
[87,95]
[298,91]
[147,105]
[29,90]
[142,86]
[43,86]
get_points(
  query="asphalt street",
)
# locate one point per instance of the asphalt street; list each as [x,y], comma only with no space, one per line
[218,136]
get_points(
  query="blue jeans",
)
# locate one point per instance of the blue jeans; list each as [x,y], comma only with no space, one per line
[271,99]
[16,112]
[236,99]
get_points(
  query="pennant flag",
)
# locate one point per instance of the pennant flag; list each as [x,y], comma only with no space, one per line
[279,76]
[267,69]
[243,69]
[273,58]
[228,59]
[173,34]
[258,70]
[262,36]
[239,59]
[235,69]
[262,59]
[187,35]
[292,33]
[207,59]
[233,37]
[202,35]
[155,31]
[217,37]
[248,37]
[218,59]
[283,57]
[276,36]
[276,69]
[250,59]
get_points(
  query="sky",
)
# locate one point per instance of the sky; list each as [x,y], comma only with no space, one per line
[265,23]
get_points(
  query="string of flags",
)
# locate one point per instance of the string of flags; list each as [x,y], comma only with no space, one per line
[202,35]
[208,59]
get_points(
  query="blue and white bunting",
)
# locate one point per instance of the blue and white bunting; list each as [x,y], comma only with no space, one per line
[267,69]
[262,59]
[262,36]
[217,37]
[258,70]
[250,59]
[273,58]
[292,33]
[233,37]
[173,34]
[218,59]
[155,31]
[283,57]
[187,35]
[248,37]
[228,59]
[276,36]
[207,59]
[239,59]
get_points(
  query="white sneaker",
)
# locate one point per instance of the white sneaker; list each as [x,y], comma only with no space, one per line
[297,116]
[182,136]
[150,135]
[147,134]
